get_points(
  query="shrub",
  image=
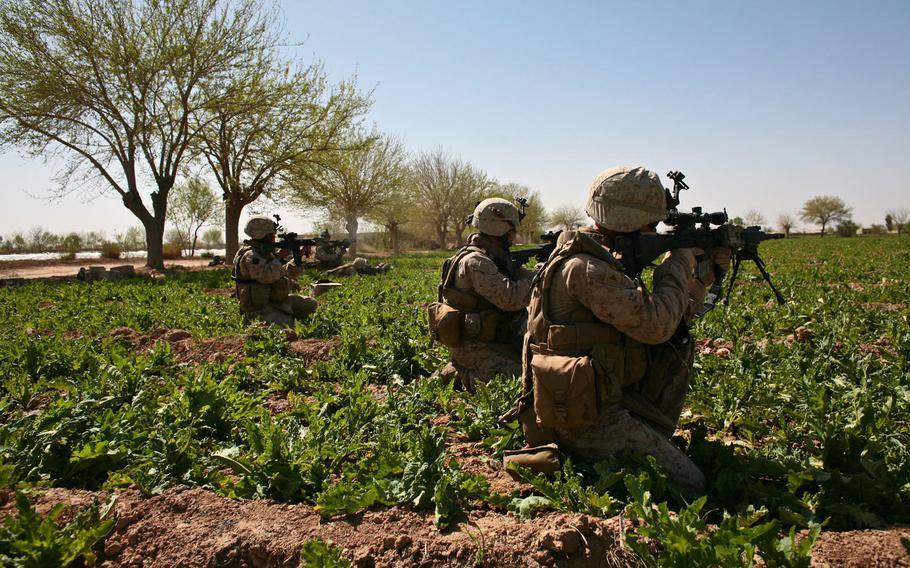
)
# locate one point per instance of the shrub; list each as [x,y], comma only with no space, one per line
[110,249]
[170,251]
[847,229]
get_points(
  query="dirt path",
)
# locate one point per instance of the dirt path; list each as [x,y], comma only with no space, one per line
[31,269]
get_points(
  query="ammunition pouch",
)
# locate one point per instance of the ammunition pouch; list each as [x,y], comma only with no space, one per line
[445,324]
[565,390]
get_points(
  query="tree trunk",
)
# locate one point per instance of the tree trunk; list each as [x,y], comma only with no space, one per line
[823,229]
[232,210]
[441,234]
[459,234]
[350,223]
[395,239]
[154,243]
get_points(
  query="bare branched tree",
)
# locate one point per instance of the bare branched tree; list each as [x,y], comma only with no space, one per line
[194,205]
[567,217]
[535,219]
[754,218]
[786,222]
[447,190]
[900,219]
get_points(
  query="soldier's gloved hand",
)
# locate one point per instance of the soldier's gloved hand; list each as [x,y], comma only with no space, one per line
[282,253]
[687,256]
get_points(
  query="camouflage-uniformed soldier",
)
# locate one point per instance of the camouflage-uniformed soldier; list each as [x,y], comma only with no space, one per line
[358,266]
[264,284]
[328,254]
[480,315]
[608,360]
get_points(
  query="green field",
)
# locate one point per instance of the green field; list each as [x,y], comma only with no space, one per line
[798,413]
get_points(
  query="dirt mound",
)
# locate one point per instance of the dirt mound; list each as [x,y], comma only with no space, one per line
[314,349]
[221,292]
[183,527]
[216,349]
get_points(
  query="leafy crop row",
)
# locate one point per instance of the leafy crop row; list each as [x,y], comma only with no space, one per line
[792,432]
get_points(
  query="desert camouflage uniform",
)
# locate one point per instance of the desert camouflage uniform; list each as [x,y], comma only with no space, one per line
[644,419]
[253,268]
[328,256]
[358,266]
[489,273]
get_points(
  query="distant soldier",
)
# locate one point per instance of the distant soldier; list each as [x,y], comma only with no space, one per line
[358,266]
[263,283]
[480,315]
[329,253]
[608,362]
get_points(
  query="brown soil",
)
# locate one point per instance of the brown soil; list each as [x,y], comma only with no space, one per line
[38,269]
[183,527]
[222,292]
[216,349]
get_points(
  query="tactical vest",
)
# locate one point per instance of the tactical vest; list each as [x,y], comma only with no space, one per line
[578,369]
[255,295]
[458,315]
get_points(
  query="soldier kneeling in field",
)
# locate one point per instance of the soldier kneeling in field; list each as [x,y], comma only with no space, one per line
[264,284]
[608,363]
[480,314]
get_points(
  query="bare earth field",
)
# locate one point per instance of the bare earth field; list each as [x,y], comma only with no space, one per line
[31,269]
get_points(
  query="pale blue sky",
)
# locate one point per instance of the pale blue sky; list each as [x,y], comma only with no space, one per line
[761,104]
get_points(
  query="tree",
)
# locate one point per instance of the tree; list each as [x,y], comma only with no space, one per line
[471,185]
[900,219]
[397,209]
[447,190]
[535,219]
[280,121]
[131,239]
[823,210]
[889,222]
[357,180]
[212,237]
[786,223]
[754,218]
[569,217]
[111,85]
[194,205]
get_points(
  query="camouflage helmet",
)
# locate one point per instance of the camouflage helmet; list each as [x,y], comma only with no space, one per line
[625,199]
[259,227]
[360,262]
[495,216]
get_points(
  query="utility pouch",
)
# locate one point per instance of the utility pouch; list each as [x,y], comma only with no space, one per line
[260,294]
[565,391]
[279,291]
[481,325]
[445,324]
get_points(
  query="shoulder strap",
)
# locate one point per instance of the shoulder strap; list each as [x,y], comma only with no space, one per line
[449,268]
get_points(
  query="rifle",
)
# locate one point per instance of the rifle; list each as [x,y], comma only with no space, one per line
[540,252]
[289,241]
[695,229]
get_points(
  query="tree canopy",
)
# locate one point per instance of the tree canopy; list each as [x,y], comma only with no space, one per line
[112,85]
[824,210]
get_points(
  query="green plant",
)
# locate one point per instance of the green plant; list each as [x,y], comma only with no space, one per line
[28,540]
